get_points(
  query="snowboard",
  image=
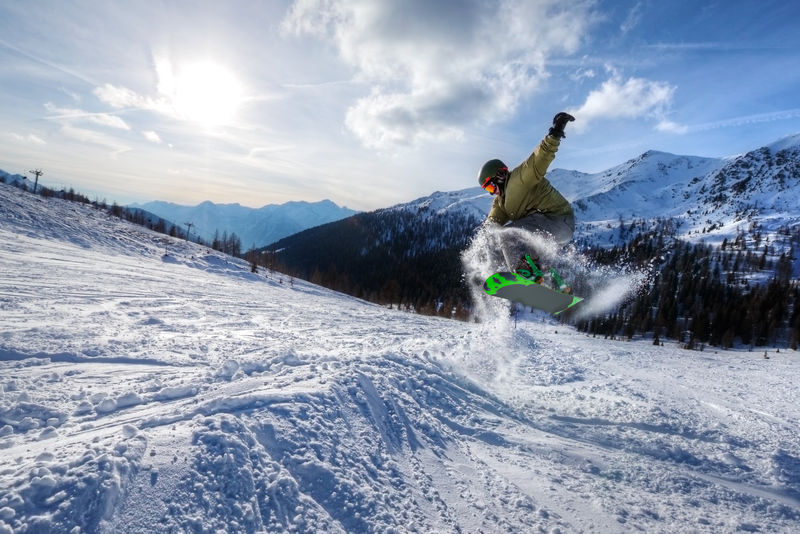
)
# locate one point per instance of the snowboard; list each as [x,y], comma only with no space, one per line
[513,286]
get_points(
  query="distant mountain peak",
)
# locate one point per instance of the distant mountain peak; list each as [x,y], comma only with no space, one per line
[255,227]
[655,153]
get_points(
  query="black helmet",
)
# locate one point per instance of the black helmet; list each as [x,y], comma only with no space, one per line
[490,169]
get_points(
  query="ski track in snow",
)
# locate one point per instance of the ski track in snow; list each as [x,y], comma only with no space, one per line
[181,393]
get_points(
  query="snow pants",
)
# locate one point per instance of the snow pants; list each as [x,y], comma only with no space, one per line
[558,228]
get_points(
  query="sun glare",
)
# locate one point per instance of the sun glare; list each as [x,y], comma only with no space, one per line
[206,93]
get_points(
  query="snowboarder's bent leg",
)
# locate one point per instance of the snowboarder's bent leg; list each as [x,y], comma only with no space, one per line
[558,228]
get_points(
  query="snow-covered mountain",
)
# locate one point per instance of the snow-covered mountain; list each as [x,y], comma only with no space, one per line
[257,227]
[647,186]
[472,202]
[149,392]
[709,197]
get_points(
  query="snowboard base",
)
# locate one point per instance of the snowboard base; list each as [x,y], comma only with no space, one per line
[513,286]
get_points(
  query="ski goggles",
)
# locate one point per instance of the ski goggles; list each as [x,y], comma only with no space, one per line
[490,185]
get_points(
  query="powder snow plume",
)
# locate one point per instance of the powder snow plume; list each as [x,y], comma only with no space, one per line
[603,287]
[609,292]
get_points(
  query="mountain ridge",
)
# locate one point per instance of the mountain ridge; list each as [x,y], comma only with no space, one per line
[254,226]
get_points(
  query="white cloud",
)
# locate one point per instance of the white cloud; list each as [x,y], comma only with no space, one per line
[71,114]
[437,68]
[108,120]
[95,138]
[72,94]
[634,98]
[116,97]
[152,136]
[30,138]
[122,98]
[632,20]
[671,127]
[583,74]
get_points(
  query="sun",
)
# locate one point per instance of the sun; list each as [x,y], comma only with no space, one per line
[206,92]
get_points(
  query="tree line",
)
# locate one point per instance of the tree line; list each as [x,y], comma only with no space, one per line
[398,258]
[739,292]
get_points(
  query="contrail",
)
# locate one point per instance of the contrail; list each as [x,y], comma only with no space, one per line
[46,63]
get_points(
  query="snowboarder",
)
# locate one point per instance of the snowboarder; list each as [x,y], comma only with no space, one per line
[525,199]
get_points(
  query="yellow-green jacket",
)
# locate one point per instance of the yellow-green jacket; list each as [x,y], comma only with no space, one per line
[527,191]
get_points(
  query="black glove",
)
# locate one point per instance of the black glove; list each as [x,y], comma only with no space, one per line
[559,121]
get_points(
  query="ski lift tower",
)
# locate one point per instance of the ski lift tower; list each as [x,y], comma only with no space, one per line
[37,173]
[188,229]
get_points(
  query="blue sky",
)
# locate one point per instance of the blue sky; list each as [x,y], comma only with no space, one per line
[372,103]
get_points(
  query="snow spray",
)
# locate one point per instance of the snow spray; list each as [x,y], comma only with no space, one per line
[603,287]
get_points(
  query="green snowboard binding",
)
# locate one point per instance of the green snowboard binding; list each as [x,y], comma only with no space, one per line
[528,269]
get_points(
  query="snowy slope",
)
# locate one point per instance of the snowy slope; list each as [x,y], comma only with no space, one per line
[144,392]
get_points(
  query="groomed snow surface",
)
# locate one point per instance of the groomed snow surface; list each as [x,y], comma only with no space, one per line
[150,392]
